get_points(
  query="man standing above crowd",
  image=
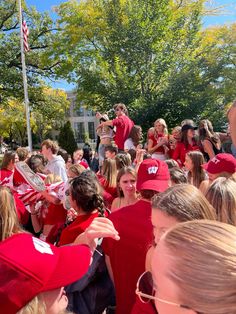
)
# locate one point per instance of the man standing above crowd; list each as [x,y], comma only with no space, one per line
[56,164]
[122,123]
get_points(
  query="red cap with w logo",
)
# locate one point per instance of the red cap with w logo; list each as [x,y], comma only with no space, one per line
[153,175]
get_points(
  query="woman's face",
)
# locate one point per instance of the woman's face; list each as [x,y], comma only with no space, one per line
[12,162]
[213,176]
[69,162]
[56,301]
[159,127]
[161,222]
[188,163]
[176,134]
[190,133]
[165,288]
[128,184]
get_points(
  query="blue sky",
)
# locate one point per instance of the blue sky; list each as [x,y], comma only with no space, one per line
[228,15]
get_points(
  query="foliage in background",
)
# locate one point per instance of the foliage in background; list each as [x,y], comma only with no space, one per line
[47,114]
[152,55]
[66,138]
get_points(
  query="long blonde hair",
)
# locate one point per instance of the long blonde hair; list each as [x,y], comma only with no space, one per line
[184,202]
[222,196]
[9,222]
[163,123]
[38,306]
[203,265]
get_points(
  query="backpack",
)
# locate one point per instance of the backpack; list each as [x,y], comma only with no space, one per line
[94,292]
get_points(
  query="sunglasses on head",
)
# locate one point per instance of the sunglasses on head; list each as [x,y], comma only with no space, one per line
[146,291]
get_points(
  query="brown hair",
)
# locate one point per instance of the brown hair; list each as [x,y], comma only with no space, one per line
[109,171]
[135,134]
[197,174]
[203,265]
[7,158]
[122,160]
[37,163]
[120,174]
[9,223]
[53,145]
[85,191]
[171,163]
[22,153]
[177,176]
[76,169]
[184,202]
[222,196]
[122,107]
[206,132]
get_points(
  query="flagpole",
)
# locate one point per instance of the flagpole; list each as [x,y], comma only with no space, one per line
[27,110]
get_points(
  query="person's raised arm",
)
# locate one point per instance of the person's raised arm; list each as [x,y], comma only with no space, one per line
[99,228]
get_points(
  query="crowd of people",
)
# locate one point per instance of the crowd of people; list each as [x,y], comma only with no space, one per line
[137,227]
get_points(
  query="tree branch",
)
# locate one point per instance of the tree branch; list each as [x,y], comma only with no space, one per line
[10,28]
[7,16]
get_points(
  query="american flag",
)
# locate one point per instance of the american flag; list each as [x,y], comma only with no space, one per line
[25,36]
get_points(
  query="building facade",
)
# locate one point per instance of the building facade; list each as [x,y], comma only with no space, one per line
[83,121]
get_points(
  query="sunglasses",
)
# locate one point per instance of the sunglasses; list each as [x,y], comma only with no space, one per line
[146,291]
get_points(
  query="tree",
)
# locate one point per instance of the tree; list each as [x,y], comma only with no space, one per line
[67,139]
[42,32]
[152,55]
[48,113]
[49,108]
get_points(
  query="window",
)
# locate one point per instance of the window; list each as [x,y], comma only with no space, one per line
[79,131]
[90,113]
[79,111]
[91,130]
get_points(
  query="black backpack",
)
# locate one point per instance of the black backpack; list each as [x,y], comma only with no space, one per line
[94,292]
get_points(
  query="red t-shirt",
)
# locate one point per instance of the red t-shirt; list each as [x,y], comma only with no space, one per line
[70,233]
[143,308]
[123,127]
[109,193]
[128,255]
[181,151]
[6,177]
[155,137]
[56,213]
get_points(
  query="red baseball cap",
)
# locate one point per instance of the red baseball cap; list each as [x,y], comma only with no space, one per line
[154,175]
[29,266]
[221,163]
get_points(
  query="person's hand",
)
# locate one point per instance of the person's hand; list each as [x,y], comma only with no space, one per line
[139,155]
[71,215]
[98,115]
[99,228]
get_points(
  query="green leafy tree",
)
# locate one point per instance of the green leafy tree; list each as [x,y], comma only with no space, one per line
[42,32]
[67,139]
[48,113]
[152,55]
